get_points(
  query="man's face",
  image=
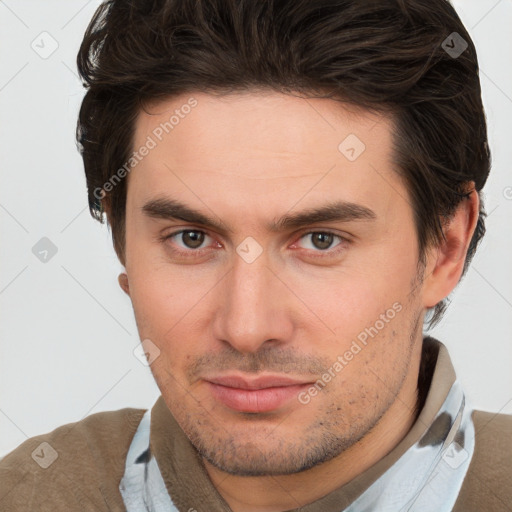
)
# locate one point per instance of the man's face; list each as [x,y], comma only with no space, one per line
[278,348]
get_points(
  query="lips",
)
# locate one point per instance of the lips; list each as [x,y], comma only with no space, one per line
[255,395]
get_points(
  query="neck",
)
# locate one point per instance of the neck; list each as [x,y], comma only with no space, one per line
[285,492]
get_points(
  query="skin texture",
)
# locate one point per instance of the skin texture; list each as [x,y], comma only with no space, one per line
[246,160]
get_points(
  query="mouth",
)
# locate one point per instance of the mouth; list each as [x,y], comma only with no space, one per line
[255,395]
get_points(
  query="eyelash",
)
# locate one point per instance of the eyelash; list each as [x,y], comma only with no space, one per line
[195,252]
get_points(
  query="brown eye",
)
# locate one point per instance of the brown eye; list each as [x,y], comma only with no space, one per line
[186,240]
[192,239]
[320,240]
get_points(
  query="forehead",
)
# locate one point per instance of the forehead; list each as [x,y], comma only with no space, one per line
[271,122]
[255,147]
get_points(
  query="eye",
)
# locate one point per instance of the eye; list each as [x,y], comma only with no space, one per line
[190,239]
[321,241]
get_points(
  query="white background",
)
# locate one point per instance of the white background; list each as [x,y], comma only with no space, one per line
[67,330]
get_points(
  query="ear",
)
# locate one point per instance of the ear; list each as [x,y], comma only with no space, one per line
[123,283]
[445,262]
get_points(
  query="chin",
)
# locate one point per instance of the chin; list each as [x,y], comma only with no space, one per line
[251,452]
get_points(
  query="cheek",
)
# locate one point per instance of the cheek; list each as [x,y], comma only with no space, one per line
[160,292]
[357,301]
[171,310]
[372,322]
[369,283]
[369,368]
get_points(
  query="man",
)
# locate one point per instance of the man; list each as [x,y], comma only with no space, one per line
[289,202]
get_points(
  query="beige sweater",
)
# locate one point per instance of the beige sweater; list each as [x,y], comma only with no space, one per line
[91,455]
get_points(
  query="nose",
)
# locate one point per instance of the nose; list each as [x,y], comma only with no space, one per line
[254,307]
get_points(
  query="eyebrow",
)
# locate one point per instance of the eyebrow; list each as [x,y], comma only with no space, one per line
[335,211]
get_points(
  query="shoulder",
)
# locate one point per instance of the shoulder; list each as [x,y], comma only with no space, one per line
[488,483]
[78,463]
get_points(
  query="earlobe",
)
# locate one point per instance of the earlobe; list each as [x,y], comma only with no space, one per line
[123,283]
[447,260]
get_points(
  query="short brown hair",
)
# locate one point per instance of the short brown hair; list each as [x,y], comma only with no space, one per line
[386,56]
